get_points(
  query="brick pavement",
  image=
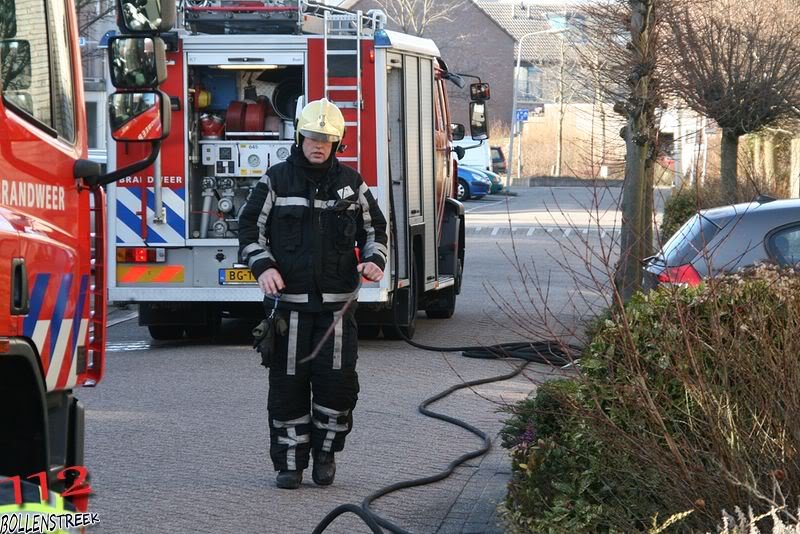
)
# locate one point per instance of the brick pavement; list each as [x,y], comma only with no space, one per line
[177,441]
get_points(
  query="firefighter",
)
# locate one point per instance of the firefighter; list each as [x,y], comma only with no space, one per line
[302,231]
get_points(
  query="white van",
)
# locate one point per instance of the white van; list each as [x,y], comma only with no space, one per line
[479,157]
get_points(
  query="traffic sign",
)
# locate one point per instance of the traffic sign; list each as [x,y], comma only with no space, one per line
[522,115]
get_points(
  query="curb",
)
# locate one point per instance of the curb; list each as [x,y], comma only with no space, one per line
[556,181]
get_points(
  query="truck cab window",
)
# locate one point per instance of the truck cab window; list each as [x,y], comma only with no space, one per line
[61,71]
[36,72]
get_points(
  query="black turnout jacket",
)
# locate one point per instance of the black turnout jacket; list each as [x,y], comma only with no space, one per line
[306,222]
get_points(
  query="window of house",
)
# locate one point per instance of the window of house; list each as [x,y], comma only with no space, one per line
[36,71]
[534,86]
[530,82]
[558,21]
[784,246]
[573,22]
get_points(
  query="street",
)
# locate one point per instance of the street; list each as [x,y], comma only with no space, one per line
[177,436]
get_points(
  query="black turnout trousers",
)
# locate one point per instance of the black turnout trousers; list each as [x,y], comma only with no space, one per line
[311,403]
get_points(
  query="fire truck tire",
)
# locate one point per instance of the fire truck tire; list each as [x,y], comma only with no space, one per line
[369,331]
[445,305]
[198,331]
[390,331]
[165,332]
[209,329]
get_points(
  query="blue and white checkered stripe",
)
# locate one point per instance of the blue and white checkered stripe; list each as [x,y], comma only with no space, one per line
[129,224]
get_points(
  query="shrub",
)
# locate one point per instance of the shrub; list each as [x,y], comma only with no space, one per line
[687,400]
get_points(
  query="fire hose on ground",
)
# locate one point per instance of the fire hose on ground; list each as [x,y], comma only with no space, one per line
[547,352]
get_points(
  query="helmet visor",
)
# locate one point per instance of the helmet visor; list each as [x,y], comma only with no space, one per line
[319,136]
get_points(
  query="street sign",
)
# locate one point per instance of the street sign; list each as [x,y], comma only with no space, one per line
[522,115]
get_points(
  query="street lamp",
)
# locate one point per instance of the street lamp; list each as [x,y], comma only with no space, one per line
[510,163]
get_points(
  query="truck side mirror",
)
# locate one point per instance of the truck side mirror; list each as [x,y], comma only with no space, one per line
[479,91]
[457,131]
[142,116]
[137,62]
[478,126]
[460,151]
[146,16]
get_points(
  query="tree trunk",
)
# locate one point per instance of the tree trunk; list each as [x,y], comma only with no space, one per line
[758,156]
[794,179]
[769,160]
[730,158]
[628,278]
[561,112]
[629,274]
[646,248]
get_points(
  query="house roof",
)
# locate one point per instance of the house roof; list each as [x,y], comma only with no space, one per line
[519,18]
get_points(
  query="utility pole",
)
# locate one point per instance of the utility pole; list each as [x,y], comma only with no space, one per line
[514,101]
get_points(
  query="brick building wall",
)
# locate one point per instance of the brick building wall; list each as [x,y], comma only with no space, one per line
[470,43]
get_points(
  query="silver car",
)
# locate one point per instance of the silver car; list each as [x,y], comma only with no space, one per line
[726,239]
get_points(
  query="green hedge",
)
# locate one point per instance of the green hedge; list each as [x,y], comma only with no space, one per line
[687,401]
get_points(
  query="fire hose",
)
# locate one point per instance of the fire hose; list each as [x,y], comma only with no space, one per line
[547,352]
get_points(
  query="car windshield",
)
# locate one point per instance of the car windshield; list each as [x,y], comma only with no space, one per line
[689,241]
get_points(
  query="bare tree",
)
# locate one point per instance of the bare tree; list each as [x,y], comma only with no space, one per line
[736,62]
[566,91]
[626,34]
[90,12]
[415,17]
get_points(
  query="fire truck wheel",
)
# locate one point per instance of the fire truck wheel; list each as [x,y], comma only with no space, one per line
[445,305]
[369,331]
[462,193]
[165,332]
[209,329]
[390,331]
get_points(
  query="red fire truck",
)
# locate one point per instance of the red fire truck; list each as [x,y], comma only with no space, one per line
[52,231]
[238,72]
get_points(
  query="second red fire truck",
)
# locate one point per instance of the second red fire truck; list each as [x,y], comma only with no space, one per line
[238,72]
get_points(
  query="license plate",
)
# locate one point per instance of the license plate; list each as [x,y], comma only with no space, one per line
[236,276]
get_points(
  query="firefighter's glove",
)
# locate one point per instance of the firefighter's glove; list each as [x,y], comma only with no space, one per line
[264,336]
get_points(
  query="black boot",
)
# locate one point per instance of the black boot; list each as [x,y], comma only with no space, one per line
[324,468]
[289,479]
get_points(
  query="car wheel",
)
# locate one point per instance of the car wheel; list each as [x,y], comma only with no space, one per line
[463,191]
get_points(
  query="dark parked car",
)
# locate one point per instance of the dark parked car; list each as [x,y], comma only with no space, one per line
[472,183]
[726,239]
[497,181]
[498,160]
